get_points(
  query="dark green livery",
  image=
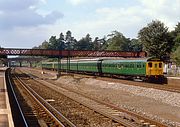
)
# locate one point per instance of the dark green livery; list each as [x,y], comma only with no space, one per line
[124,67]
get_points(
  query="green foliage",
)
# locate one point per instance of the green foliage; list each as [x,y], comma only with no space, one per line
[118,41]
[176,49]
[3,56]
[44,45]
[84,44]
[176,36]
[176,56]
[96,44]
[136,45]
[177,41]
[177,28]
[156,39]
[62,43]
[99,44]
[69,41]
[57,44]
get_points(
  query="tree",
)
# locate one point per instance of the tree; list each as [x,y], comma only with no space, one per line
[69,41]
[84,44]
[176,56]
[44,45]
[118,41]
[53,42]
[68,36]
[56,44]
[61,36]
[177,29]
[156,39]
[176,36]
[99,44]
[61,42]
[3,56]
[96,44]
[136,45]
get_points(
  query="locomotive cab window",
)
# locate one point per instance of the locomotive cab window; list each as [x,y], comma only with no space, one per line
[155,65]
[160,65]
[150,65]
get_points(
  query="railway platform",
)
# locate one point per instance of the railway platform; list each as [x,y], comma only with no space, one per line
[6,119]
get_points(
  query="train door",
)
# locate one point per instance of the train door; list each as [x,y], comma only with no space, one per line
[149,68]
[155,68]
[99,66]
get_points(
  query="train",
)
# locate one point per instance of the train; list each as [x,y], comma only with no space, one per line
[146,69]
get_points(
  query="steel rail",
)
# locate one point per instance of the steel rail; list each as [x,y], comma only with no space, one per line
[115,118]
[106,114]
[146,119]
[108,105]
[16,100]
[53,114]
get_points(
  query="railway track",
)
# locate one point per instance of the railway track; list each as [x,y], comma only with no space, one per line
[40,113]
[175,87]
[117,114]
[165,87]
[19,120]
[74,115]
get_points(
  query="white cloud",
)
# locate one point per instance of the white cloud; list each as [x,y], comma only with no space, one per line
[131,19]
[124,20]
[24,37]
[24,14]
[44,1]
[77,2]
[165,10]
[32,27]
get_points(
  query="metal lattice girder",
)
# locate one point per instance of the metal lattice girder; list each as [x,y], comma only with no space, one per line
[71,53]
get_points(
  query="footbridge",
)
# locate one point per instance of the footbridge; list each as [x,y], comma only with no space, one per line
[69,53]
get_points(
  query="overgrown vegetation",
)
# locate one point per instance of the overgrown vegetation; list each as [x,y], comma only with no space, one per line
[155,39]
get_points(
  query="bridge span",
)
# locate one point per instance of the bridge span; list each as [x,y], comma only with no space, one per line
[69,53]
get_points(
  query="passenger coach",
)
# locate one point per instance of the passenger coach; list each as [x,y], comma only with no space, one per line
[147,69]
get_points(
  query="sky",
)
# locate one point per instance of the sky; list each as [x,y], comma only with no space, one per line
[27,23]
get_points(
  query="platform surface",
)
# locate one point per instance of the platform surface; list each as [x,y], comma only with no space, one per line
[5,111]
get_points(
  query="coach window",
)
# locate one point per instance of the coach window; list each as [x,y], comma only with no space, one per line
[119,66]
[131,65]
[155,65]
[150,65]
[160,65]
[139,65]
[143,65]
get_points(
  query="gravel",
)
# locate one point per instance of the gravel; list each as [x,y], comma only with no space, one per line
[167,97]
[117,92]
[160,105]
